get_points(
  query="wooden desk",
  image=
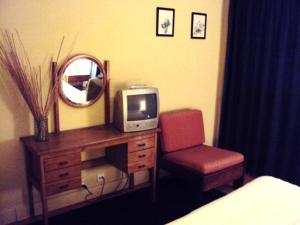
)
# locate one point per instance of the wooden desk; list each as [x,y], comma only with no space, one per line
[55,166]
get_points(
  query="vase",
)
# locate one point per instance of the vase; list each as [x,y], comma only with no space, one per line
[41,132]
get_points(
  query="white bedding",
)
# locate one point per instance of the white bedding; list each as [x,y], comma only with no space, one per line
[73,94]
[264,201]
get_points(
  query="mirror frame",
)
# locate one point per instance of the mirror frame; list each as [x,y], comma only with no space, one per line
[62,69]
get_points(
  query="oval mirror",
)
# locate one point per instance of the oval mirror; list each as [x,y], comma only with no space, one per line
[82,80]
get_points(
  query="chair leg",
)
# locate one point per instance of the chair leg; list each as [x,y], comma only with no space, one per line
[157,172]
[195,188]
[238,183]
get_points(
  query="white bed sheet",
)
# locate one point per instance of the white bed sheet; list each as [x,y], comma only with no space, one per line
[264,201]
[73,94]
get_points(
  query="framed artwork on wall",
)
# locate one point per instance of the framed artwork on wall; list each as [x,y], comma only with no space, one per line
[198,27]
[165,18]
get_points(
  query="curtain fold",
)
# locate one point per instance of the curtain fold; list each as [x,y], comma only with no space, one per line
[260,115]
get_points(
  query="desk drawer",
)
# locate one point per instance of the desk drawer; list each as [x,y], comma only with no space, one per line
[144,155]
[141,144]
[141,165]
[56,175]
[62,161]
[141,160]
[63,185]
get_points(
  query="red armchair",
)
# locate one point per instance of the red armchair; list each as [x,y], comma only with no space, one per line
[185,155]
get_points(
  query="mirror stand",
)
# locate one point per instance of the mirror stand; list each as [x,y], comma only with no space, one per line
[55,103]
[106,96]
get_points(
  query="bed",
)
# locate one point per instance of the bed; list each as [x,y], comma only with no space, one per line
[72,93]
[264,201]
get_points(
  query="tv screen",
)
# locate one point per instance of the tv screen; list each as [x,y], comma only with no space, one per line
[141,107]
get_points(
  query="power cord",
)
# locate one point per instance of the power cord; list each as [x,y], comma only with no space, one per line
[102,188]
[103,184]
[87,189]
[120,182]
[127,179]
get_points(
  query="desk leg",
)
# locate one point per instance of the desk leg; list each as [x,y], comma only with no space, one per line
[152,177]
[131,180]
[45,208]
[29,185]
[43,192]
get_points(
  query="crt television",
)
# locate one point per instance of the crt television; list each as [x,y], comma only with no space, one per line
[136,109]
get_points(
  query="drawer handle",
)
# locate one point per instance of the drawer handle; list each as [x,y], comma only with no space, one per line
[64,186]
[142,156]
[142,145]
[141,166]
[63,174]
[63,163]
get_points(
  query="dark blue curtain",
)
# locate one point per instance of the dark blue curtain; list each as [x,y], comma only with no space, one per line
[260,114]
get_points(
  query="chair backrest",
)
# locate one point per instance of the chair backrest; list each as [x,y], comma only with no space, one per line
[93,88]
[181,129]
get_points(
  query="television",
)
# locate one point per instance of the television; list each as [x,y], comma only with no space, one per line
[136,109]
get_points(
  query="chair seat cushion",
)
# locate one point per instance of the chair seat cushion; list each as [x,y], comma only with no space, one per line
[204,159]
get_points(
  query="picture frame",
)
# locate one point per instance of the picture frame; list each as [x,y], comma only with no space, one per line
[198,25]
[165,19]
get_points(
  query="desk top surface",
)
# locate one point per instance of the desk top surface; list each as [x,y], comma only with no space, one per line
[102,136]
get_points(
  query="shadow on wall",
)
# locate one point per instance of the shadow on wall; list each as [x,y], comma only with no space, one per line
[15,122]
[222,61]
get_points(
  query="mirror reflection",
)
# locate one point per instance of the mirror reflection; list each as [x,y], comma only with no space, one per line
[82,81]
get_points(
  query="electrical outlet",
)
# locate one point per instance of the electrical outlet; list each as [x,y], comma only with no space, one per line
[82,182]
[100,177]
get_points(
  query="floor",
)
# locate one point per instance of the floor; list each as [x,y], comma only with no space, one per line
[175,199]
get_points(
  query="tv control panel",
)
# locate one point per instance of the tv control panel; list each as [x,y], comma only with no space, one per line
[138,126]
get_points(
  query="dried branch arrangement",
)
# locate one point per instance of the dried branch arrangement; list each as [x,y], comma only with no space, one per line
[27,78]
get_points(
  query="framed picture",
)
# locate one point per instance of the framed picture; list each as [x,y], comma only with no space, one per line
[165,21]
[198,29]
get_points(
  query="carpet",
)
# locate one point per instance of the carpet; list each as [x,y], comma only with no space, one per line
[174,199]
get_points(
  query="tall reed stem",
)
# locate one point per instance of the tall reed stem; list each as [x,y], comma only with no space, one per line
[27,78]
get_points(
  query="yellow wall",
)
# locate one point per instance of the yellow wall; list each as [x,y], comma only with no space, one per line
[186,71]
